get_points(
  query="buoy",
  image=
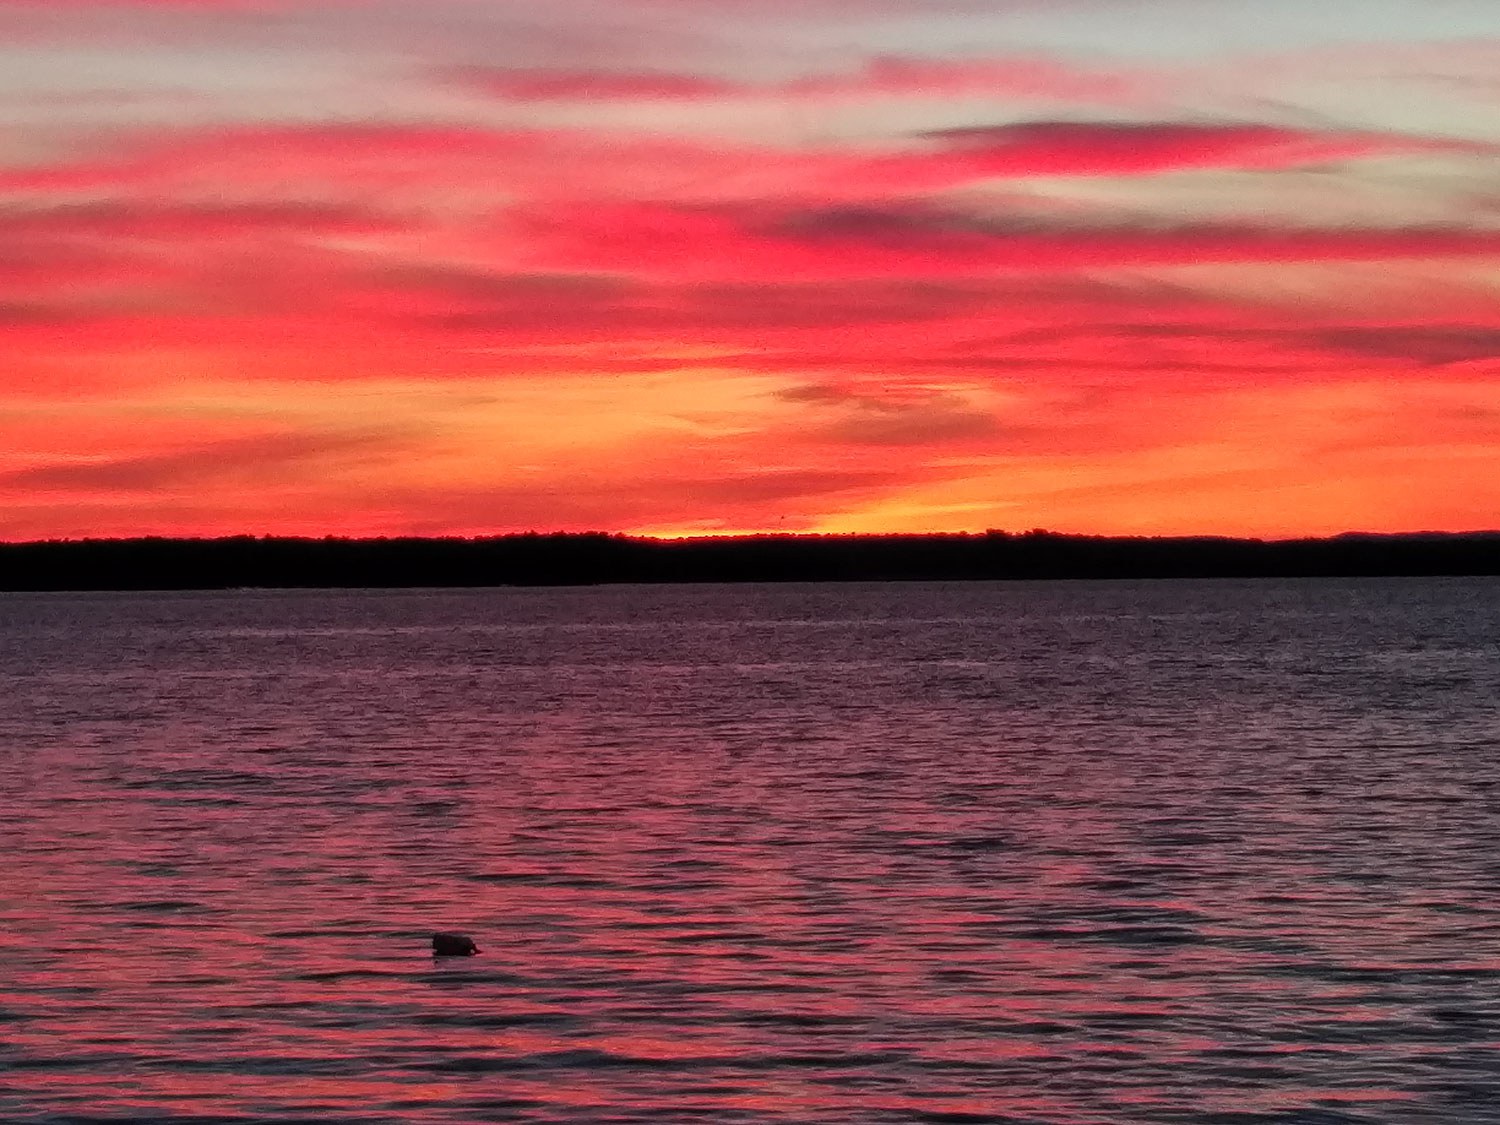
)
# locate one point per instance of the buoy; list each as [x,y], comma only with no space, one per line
[453,945]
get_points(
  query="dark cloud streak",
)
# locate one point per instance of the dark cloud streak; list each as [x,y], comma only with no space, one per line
[259,458]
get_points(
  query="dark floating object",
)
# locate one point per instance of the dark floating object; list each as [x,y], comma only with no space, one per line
[453,945]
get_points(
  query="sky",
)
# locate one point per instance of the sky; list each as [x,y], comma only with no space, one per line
[684,267]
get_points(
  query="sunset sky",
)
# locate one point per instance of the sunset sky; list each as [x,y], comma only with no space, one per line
[696,266]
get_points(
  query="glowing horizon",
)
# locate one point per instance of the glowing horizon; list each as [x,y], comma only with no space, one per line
[688,267]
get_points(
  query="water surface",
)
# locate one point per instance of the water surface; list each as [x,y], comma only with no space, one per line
[1049,853]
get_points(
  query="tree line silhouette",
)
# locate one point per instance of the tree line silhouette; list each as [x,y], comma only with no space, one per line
[591,558]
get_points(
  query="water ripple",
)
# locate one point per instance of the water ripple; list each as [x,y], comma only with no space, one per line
[1073,854]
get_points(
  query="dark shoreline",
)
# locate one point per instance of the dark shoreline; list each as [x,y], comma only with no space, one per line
[596,558]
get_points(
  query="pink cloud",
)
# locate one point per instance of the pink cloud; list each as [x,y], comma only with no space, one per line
[414,165]
[1083,148]
[1024,77]
[521,85]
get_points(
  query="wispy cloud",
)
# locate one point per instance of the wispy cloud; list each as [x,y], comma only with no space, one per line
[239,461]
[466,265]
[1034,77]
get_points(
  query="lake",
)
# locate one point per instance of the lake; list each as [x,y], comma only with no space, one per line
[1082,853]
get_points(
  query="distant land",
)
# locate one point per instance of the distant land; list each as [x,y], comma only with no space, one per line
[595,558]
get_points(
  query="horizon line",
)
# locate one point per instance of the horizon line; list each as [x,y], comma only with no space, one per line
[739,536]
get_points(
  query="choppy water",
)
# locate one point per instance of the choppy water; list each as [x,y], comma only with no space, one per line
[1072,853]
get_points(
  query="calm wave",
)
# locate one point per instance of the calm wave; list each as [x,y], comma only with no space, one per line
[1063,853]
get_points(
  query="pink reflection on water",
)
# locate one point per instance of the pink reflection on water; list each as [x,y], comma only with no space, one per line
[860,901]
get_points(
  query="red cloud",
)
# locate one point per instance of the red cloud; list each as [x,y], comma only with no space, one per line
[717,245]
[168,221]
